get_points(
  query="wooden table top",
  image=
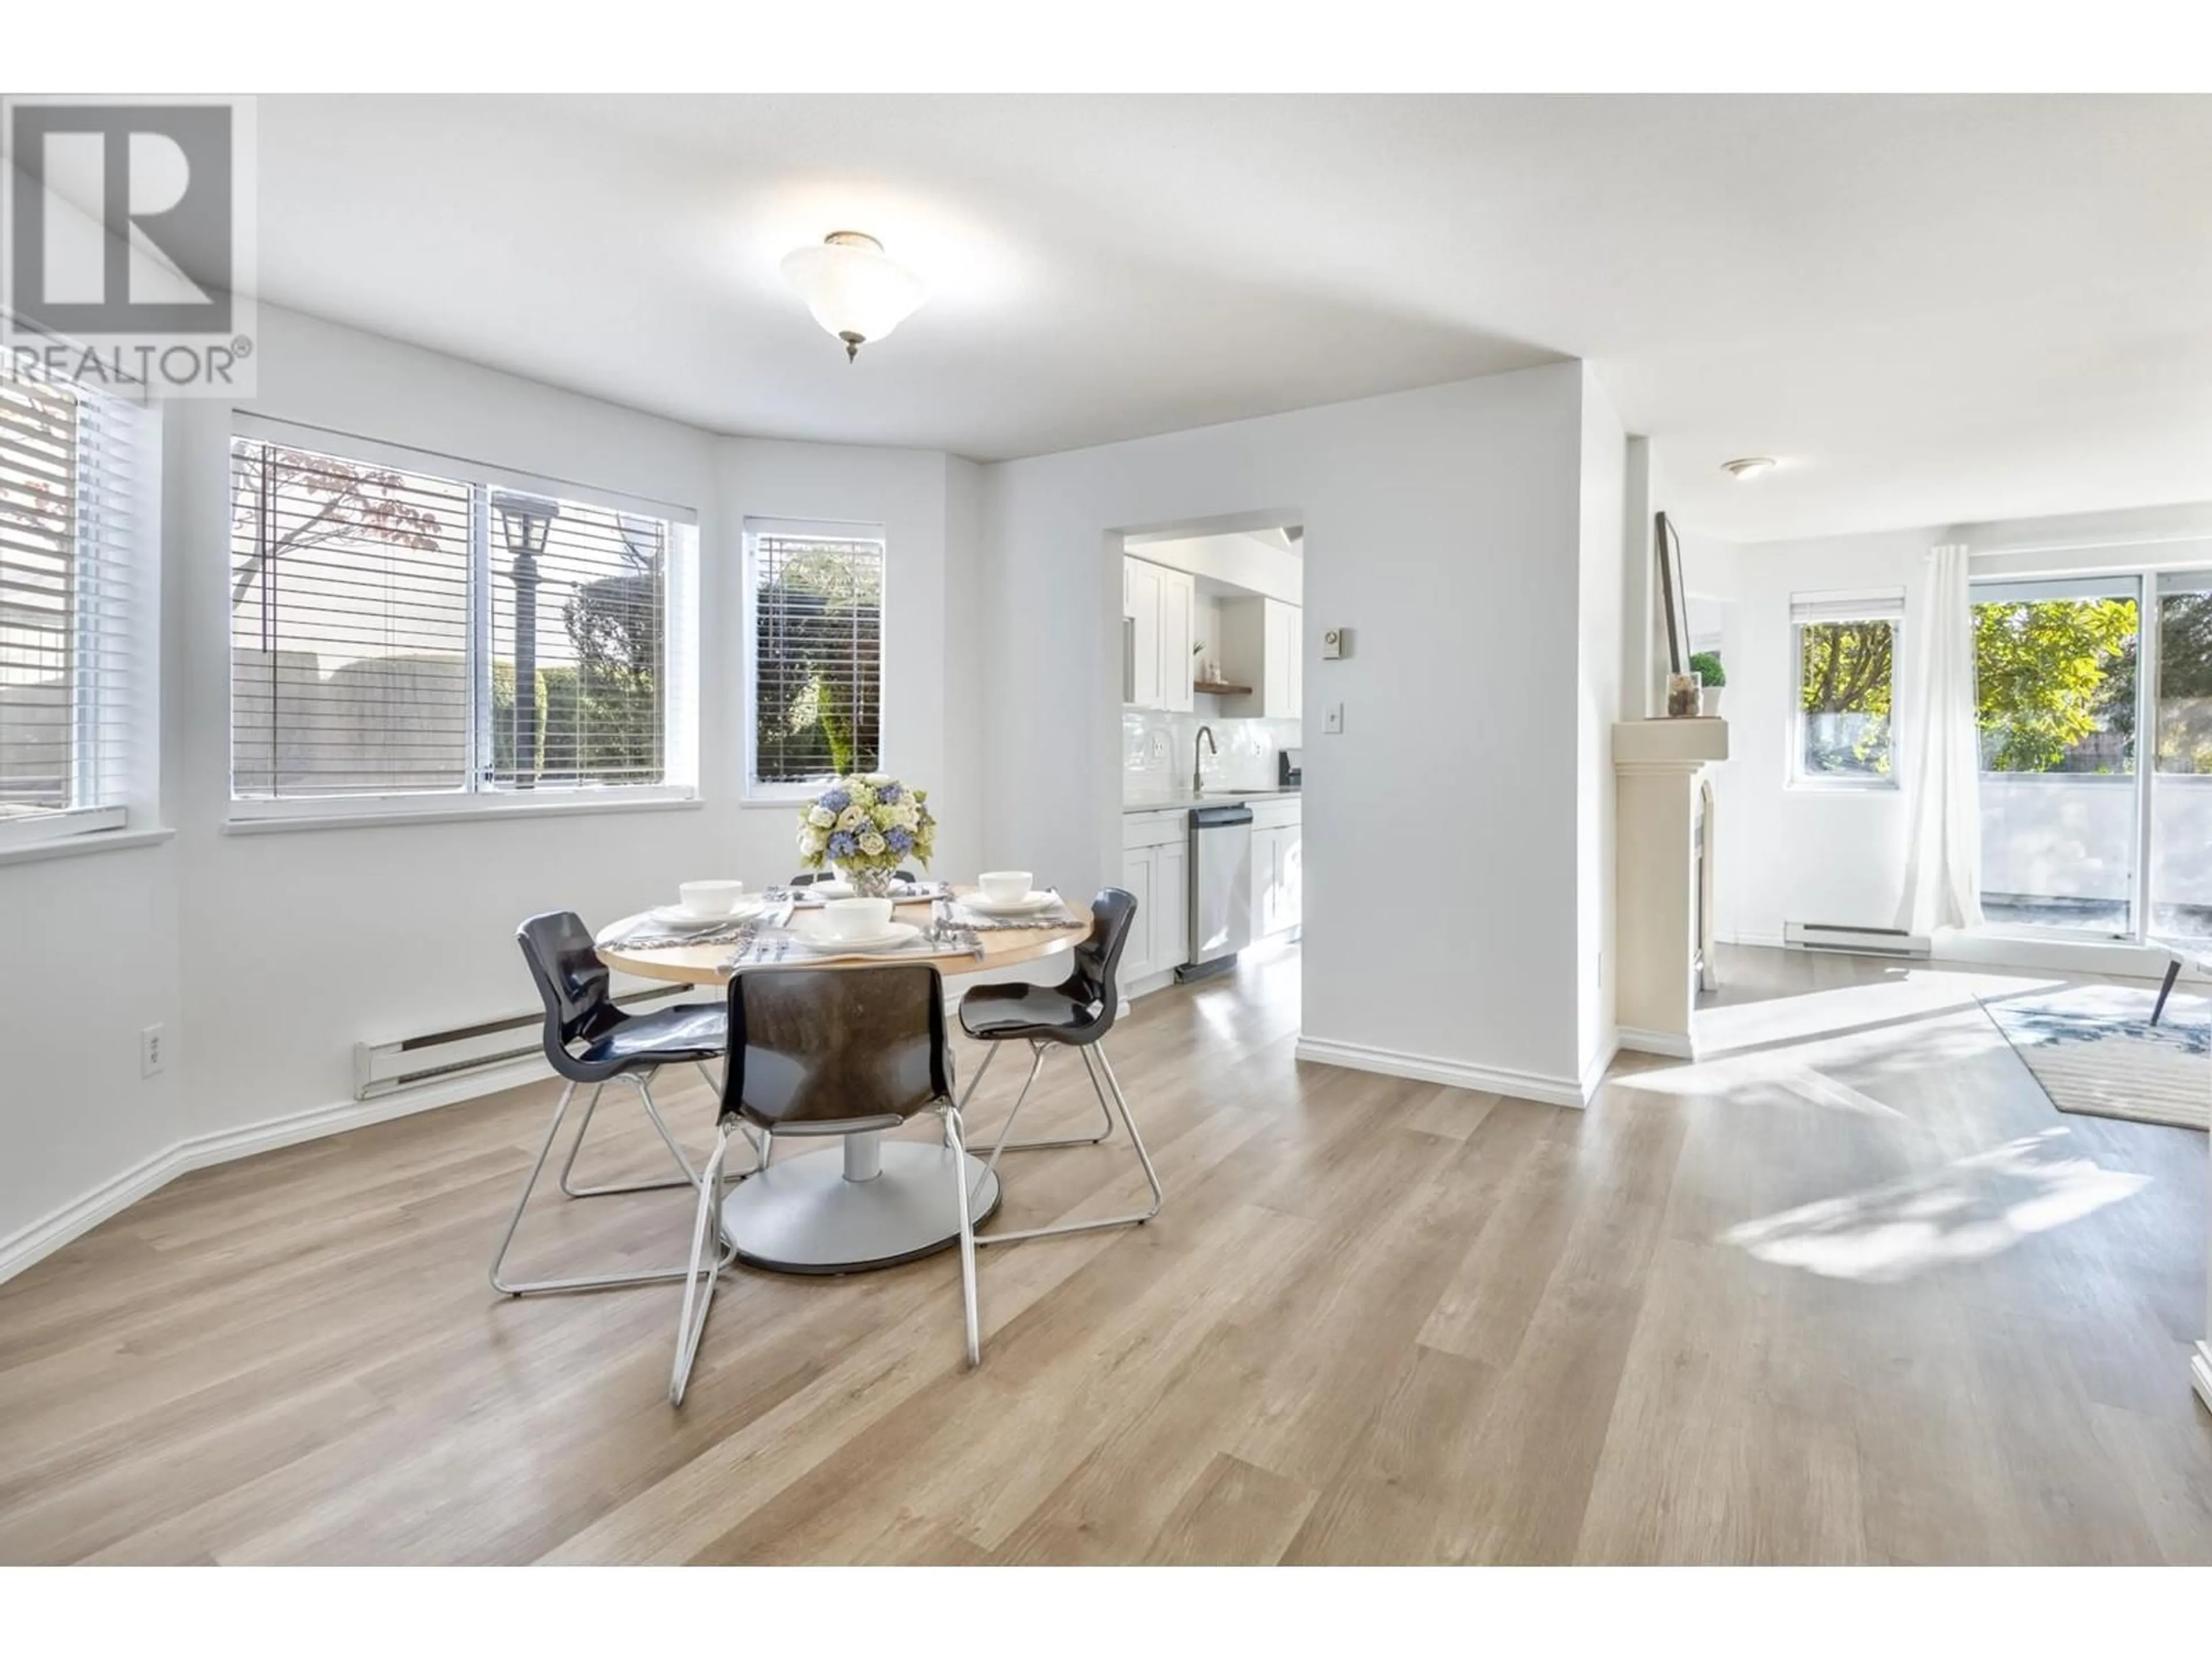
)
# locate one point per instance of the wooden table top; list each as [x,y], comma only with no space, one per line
[701,964]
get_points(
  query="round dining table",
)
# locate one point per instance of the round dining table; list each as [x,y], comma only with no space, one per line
[868,1202]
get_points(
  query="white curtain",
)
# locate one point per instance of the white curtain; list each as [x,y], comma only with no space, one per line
[1943,848]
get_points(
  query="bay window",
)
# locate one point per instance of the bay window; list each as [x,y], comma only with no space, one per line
[77,491]
[409,632]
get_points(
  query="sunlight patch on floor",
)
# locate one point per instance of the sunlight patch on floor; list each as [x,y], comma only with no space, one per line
[1969,1210]
[1906,994]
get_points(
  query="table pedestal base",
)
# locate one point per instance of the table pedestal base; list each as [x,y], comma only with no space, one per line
[809,1215]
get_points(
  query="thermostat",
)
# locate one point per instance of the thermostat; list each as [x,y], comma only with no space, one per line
[1335,641]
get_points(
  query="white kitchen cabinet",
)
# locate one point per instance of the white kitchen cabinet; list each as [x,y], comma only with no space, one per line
[1278,867]
[1156,870]
[1139,875]
[1170,908]
[1261,641]
[1157,603]
[1178,599]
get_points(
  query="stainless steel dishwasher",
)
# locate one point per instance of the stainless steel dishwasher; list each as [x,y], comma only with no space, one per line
[1220,888]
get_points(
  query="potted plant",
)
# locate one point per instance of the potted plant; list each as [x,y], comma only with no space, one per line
[1706,664]
[866,825]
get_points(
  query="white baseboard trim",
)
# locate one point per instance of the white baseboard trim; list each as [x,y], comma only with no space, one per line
[1594,1073]
[1771,941]
[2200,1373]
[33,1243]
[1458,1074]
[1146,986]
[1674,1044]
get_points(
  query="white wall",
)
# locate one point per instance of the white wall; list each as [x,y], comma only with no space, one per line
[1606,537]
[1443,528]
[269,955]
[1804,854]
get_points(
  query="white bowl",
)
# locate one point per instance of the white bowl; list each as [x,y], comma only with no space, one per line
[833,889]
[857,918]
[711,898]
[1005,886]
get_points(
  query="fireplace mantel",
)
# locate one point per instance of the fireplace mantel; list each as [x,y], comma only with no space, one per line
[1664,870]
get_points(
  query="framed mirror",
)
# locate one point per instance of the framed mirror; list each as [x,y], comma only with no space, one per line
[1673,594]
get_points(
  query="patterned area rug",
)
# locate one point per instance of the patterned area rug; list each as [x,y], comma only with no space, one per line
[2094,1051]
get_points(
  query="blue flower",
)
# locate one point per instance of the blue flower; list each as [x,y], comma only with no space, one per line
[836,800]
[843,845]
[899,839]
[887,793]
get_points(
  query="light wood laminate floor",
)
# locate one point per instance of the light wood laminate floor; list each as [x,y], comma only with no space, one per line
[1851,1292]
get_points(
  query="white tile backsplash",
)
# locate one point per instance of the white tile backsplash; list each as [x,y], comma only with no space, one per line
[1156,750]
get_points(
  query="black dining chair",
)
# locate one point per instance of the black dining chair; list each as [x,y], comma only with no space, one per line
[834,1052]
[1077,1014]
[591,1040]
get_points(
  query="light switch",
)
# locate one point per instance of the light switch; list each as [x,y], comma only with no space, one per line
[1333,720]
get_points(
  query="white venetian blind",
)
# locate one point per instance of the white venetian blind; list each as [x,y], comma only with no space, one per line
[585,589]
[817,663]
[70,463]
[400,628]
[350,624]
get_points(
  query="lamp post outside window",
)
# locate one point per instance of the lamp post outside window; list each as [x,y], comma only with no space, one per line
[524,522]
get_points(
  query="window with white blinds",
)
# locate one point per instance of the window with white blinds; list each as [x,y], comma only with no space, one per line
[817,608]
[435,630]
[73,466]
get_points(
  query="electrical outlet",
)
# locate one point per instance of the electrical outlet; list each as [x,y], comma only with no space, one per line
[153,1049]
[1333,720]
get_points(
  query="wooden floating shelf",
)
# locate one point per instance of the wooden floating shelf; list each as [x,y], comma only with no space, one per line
[1220,689]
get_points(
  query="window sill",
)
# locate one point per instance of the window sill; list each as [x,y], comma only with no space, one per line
[92,841]
[1843,787]
[499,811]
[803,797]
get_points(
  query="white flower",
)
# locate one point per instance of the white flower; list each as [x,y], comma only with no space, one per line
[853,816]
[884,817]
[821,816]
[816,838]
[906,815]
[873,844]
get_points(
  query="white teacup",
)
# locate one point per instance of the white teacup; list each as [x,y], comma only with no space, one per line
[857,918]
[1005,886]
[711,898]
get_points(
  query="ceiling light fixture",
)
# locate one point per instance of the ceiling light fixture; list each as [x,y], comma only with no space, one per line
[1749,466]
[853,290]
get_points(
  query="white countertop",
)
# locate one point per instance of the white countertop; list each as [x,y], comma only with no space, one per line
[1212,798]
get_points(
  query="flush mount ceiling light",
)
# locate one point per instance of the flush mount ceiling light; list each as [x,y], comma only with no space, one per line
[1749,466]
[853,290]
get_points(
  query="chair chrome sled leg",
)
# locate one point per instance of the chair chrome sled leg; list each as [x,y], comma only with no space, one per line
[956,1138]
[705,1241]
[584,1282]
[689,1178]
[1003,1144]
[1094,1061]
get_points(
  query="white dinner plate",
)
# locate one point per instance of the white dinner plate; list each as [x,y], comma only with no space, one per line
[898,934]
[679,919]
[1020,906]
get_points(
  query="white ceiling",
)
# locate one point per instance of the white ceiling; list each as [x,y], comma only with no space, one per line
[1932,310]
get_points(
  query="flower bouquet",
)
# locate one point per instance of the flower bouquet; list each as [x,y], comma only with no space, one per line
[867,825]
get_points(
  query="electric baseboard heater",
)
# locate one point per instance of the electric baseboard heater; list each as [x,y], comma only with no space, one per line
[1861,941]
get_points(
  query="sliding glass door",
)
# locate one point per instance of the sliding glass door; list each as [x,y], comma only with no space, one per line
[2181,782]
[2083,833]
[2056,694]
